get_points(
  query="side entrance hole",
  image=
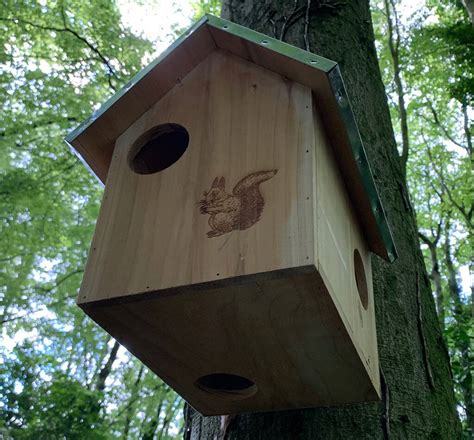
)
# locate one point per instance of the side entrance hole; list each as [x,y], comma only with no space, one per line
[361,280]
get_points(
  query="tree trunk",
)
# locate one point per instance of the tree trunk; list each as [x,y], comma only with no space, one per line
[418,400]
[150,427]
[436,274]
[469,5]
[466,127]
[394,46]
[131,403]
[170,413]
[107,368]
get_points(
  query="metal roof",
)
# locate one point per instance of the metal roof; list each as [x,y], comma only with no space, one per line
[95,138]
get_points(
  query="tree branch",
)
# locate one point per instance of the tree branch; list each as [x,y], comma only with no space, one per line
[440,125]
[66,29]
[61,280]
[306,26]
[287,19]
[106,369]
[467,131]
[51,289]
[467,214]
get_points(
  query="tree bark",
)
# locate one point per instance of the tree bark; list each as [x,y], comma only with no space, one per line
[418,400]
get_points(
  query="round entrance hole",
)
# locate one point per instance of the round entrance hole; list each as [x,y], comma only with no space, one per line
[361,280]
[158,148]
[230,386]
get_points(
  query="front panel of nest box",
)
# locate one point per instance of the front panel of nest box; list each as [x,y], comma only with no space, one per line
[237,198]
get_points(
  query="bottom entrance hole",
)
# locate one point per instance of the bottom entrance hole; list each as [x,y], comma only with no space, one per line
[231,386]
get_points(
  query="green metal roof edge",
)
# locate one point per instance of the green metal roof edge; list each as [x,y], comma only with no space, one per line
[135,79]
[360,156]
[301,55]
[286,49]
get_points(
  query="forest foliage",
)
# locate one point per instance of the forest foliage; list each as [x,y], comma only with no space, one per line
[427,60]
[60,374]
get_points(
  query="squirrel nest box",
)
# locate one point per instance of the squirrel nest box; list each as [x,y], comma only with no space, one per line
[231,252]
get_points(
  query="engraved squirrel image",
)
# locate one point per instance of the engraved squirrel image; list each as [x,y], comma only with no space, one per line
[237,211]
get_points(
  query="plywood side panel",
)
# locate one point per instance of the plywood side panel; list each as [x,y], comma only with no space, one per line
[364,328]
[338,236]
[284,334]
[334,217]
[242,119]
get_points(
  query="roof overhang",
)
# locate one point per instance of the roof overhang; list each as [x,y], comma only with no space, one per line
[95,138]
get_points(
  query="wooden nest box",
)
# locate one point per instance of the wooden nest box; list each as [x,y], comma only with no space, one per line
[232,250]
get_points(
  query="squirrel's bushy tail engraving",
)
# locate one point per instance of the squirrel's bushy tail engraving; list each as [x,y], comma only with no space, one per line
[252,202]
[252,180]
[237,211]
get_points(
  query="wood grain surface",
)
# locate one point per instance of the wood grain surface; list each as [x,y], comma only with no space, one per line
[241,119]
[284,334]
[192,286]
